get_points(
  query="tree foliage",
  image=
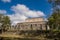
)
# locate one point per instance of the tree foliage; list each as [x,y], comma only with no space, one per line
[4,21]
[54,19]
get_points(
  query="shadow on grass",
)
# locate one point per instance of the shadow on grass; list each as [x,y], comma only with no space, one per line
[6,38]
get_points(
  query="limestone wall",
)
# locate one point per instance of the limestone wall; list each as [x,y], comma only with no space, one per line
[32,26]
[34,19]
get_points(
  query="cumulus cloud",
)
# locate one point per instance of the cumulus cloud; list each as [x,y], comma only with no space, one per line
[3,11]
[16,18]
[21,12]
[6,0]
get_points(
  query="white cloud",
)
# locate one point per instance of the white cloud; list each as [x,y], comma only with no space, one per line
[6,0]
[16,18]
[22,12]
[3,11]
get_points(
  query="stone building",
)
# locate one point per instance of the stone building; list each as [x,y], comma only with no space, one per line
[32,24]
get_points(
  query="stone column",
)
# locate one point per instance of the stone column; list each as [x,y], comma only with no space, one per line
[43,27]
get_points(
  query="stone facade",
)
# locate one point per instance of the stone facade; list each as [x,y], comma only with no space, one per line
[32,24]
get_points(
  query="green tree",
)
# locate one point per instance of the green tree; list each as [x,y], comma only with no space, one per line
[54,19]
[5,21]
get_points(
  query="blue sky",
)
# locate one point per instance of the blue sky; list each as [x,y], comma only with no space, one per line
[29,8]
